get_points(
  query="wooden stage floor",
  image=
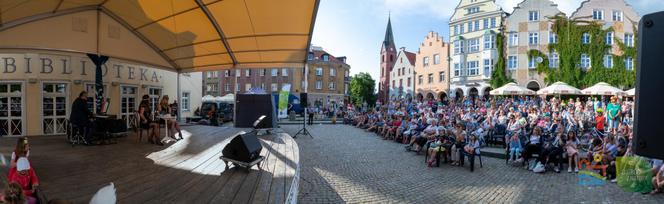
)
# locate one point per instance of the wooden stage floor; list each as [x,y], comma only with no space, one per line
[188,171]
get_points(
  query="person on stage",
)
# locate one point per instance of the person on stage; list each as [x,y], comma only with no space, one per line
[81,117]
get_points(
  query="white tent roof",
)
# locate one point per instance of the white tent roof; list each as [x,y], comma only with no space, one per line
[511,89]
[631,92]
[559,88]
[602,88]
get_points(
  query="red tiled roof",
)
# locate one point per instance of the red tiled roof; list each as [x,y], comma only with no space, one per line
[318,54]
[411,57]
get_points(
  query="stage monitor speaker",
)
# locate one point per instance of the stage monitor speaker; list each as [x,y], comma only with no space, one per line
[648,130]
[303,100]
[250,107]
[244,148]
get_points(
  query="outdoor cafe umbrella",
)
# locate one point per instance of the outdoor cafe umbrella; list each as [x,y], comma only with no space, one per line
[604,89]
[559,88]
[631,92]
[511,89]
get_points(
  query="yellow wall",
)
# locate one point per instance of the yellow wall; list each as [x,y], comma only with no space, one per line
[33,68]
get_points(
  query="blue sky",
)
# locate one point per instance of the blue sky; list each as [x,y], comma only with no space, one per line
[356,28]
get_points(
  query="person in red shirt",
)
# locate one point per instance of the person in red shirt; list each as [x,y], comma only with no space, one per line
[599,121]
[24,176]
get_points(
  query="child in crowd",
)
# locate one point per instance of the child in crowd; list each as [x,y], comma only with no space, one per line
[13,194]
[23,175]
[515,148]
[571,147]
[22,149]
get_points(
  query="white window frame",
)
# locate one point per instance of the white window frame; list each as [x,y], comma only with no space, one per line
[441,76]
[274,87]
[473,68]
[319,71]
[185,101]
[598,14]
[284,72]
[130,115]
[617,15]
[247,86]
[532,62]
[59,127]
[436,59]
[585,38]
[513,39]
[493,22]
[489,42]
[11,118]
[533,38]
[629,39]
[333,71]
[512,62]
[473,45]
[586,62]
[629,63]
[608,61]
[609,38]
[319,84]
[533,16]
[553,37]
[425,61]
[332,86]
[457,69]
[554,60]
[488,67]
[274,72]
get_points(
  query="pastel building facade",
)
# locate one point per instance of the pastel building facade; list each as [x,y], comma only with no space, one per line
[473,29]
[403,76]
[529,28]
[432,69]
[619,16]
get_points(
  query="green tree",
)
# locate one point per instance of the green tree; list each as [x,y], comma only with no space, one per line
[499,76]
[362,88]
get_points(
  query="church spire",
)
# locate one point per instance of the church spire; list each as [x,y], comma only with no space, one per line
[389,37]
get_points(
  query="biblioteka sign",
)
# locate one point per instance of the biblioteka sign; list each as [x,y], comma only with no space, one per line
[22,66]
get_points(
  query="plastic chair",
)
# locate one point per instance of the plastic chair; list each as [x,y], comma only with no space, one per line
[471,158]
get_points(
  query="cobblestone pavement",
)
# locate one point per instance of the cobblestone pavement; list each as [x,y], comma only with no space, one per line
[343,164]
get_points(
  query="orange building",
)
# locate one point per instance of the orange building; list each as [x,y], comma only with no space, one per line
[432,68]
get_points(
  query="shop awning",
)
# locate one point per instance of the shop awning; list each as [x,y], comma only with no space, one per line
[195,35]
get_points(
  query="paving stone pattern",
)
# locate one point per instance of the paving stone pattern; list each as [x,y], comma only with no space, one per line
[343,164]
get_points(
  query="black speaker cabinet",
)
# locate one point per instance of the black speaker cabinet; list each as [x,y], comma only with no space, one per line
[244,148]
[303,100]
[249,107]
[648,111]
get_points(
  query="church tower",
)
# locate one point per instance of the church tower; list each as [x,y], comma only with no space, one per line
[388,55]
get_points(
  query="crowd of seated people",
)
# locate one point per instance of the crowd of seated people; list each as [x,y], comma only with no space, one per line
[540,134]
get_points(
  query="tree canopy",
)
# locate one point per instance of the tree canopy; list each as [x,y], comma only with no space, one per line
[362,88]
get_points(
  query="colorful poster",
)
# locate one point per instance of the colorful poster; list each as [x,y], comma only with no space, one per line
[283,101]
[634,174]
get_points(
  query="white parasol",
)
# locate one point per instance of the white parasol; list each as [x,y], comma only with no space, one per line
[511,89]
[631,92]
[604,89]
[559,88]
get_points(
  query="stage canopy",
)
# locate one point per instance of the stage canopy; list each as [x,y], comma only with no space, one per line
[187,35]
